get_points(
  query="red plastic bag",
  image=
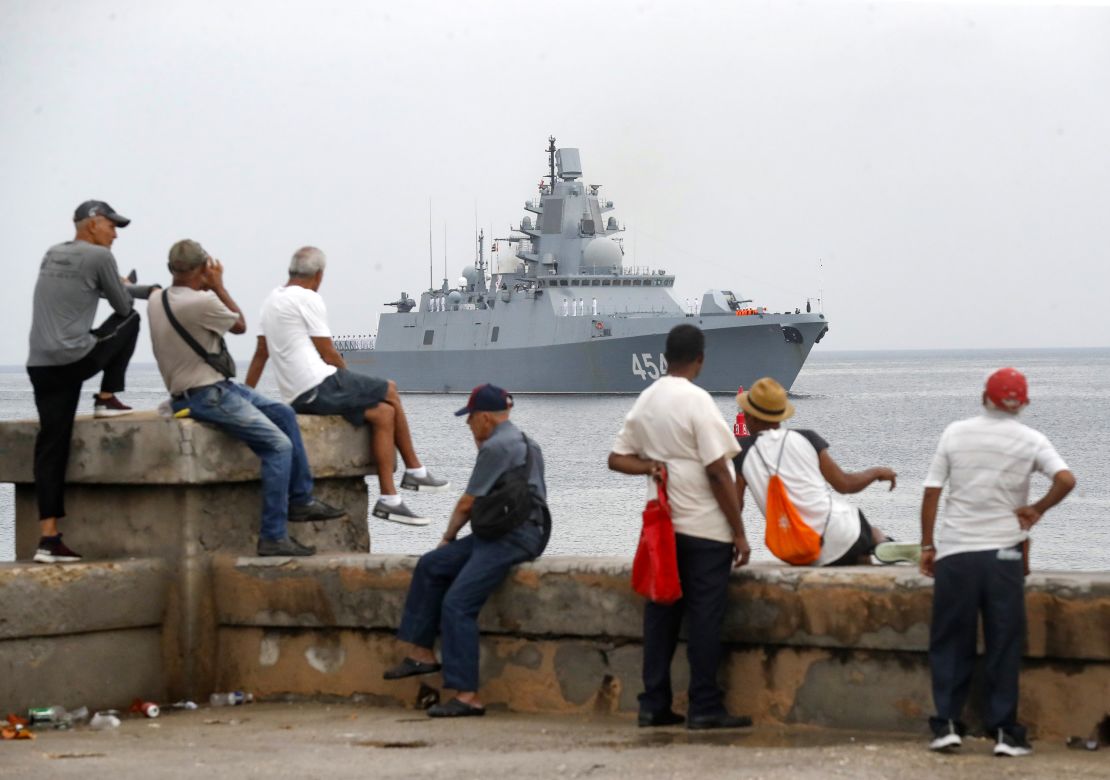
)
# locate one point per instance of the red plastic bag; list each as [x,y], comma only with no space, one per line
[655,567]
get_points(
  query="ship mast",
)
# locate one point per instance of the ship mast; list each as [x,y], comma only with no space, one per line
[551,161]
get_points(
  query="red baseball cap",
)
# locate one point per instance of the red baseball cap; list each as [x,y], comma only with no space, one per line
[1007,389]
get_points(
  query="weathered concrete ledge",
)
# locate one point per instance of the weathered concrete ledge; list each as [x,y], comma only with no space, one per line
[178,491]
[83,633]
[842,648]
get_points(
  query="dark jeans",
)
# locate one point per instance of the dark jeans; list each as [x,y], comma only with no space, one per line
[990,583]
[270,429]
[58,391]
[449,587]
[703,569]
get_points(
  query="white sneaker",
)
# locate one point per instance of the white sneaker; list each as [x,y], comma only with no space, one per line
[399,513]
[1010,745]
[946,743]
[897,552]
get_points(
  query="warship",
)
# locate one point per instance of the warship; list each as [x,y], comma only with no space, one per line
[554,309]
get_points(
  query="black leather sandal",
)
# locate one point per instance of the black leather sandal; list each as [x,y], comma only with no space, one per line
[410,667]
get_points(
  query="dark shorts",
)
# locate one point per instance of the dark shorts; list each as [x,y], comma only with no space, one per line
[863,546]
[345,393]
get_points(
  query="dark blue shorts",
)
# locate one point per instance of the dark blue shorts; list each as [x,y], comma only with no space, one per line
[345,393]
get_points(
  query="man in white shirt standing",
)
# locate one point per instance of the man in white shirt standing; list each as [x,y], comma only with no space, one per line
[675,424]
[313,378]
[975,555]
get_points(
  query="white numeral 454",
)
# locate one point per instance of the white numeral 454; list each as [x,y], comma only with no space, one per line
[644,366]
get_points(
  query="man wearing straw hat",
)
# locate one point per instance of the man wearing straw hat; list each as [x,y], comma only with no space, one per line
[801,458]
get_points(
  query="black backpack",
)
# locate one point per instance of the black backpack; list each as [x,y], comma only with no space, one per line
[509,503]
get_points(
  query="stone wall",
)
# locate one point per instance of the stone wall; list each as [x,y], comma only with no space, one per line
[843,648]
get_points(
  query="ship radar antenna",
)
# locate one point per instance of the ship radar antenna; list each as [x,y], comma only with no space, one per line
[551,161]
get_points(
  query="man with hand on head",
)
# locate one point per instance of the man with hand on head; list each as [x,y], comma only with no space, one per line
[975,554]
[675,424]
[66,350]
[313,377]
[452,582]
[205,311]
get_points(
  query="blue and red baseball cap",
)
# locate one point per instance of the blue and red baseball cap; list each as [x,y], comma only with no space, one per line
[486,398]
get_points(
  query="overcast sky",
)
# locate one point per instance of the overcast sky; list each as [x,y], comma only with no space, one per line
[938,172]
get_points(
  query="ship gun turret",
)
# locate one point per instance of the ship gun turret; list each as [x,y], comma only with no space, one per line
[403,304]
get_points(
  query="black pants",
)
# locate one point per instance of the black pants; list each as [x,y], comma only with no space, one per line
[991,583]
[703,568]
[57,393]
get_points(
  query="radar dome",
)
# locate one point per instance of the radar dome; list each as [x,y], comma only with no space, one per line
[470,273]
[602,252]
[454,297]
[463,281]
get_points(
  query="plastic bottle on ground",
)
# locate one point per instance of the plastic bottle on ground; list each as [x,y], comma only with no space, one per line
[230,698]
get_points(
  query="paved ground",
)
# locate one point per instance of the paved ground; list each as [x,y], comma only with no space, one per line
[315,740]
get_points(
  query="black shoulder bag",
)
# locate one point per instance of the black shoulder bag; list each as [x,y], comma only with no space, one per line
[219,361]
[509,502]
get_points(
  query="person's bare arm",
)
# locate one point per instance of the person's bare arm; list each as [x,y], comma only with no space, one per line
[328,353]
[459,517]
[258,362]
[214,281]
[724,490]
[1063,482]
[852,481]
[929,503]
[635,465]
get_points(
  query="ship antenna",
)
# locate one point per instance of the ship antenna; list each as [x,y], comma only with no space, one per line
[551,161]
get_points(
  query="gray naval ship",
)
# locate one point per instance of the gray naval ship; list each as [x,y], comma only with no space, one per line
[555,310]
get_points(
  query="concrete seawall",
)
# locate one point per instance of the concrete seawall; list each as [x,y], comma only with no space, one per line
[180,606]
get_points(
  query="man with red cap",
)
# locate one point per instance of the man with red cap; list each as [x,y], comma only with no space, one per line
[975,555]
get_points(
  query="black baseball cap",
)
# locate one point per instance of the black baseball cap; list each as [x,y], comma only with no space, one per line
[98,208]
[486,398]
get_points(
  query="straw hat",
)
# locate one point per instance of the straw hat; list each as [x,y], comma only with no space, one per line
[766,400]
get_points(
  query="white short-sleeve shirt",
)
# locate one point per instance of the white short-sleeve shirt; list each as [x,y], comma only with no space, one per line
[291,317]
[986,462]
[676,422]
[796,454]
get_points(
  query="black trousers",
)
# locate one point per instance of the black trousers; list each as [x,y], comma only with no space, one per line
[57,393]
[990,583]
[703,568]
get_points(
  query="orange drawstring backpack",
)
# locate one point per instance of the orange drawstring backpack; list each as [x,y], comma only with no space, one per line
[788,536]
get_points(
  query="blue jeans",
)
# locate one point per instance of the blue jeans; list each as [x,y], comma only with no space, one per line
[270,429]
[448,589]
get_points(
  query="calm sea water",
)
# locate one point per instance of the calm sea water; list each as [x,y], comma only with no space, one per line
[874,408]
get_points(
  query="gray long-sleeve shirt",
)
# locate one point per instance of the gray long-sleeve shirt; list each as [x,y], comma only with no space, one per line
[73,277]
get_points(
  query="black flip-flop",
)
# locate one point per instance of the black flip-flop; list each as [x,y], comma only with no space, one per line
[455,709]
[409,668]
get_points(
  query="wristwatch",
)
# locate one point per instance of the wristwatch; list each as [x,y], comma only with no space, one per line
[928,548]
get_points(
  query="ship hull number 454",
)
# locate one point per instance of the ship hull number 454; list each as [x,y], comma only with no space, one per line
[645,366]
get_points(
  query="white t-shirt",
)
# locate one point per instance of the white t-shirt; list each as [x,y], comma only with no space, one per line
[676,422]
[987,461]
[823,510]
[291,317]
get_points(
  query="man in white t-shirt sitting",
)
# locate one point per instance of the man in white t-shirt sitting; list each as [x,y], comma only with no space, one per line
[801,458]
[675,424]
[313,378]
[986,461]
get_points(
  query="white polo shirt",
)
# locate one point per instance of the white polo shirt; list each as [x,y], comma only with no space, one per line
[986,462]
[291,317]
[677,423]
